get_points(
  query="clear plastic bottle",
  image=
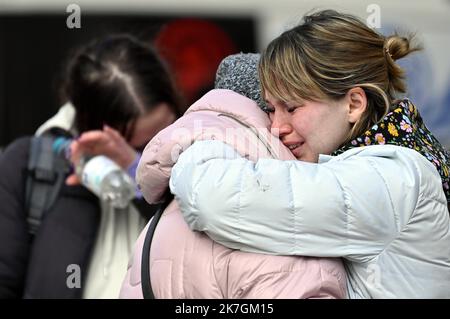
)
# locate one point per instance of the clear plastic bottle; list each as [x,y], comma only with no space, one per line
[101,175]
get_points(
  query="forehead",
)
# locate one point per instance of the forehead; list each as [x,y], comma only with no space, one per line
[273,100]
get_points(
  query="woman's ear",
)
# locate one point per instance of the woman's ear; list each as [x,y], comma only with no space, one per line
[357,100]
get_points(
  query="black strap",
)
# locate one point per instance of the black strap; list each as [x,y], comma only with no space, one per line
[46,175]
[146,284]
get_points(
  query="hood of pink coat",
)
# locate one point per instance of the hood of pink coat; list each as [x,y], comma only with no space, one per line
[221,115]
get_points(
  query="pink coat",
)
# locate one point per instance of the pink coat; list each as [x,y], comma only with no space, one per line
[187,264]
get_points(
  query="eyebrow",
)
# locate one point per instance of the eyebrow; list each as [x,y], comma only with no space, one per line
[278,101]
[275,100]
[294,103]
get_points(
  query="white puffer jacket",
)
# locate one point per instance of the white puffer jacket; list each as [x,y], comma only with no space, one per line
[380,207]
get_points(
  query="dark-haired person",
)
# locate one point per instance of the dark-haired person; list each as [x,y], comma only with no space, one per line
[370,183]
[119,94]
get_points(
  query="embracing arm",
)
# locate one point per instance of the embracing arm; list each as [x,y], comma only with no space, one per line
[339,208]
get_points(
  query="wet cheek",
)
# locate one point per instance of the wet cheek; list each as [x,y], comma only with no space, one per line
[302,128]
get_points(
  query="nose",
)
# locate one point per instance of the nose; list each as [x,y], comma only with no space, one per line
[281,125]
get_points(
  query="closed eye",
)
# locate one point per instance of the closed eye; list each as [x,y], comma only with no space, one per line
[269,107]
[291,108]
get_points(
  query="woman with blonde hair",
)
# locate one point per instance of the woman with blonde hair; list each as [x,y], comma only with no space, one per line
[190,264]
[370,184]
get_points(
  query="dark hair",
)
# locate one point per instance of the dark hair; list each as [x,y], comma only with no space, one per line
[115,80]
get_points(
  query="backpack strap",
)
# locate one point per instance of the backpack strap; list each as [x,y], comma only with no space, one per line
[146,283]
[46,174]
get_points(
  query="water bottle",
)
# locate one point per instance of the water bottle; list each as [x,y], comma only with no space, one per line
[101,175]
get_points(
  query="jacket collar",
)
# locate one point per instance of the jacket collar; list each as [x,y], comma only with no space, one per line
[404,127]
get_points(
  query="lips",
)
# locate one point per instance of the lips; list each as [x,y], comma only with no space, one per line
[294,147]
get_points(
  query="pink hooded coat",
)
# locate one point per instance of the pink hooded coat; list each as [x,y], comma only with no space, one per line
[187,264]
